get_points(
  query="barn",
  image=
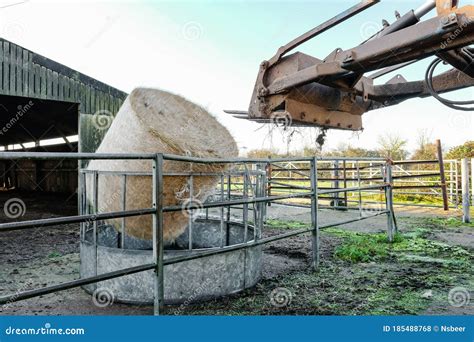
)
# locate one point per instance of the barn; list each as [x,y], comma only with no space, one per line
[43,106]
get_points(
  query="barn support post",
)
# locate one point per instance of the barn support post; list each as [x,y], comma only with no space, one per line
[158,245]
[391,226]
[314,213]
[13,175]
[3,175]
[465,190]
[37,165]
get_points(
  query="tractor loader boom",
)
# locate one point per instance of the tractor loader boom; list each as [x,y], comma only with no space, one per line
[334,92]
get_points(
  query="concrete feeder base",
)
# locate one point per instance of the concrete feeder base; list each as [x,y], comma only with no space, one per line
[193,280]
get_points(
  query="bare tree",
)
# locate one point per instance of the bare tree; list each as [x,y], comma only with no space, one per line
[392,146]
[426,149]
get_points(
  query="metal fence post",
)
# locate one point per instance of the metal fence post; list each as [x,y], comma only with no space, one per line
[124,207]
[314,212]
[269,180]
[261,193]
[359,204]
[336,184]
[191,213]
[95,194]
[228,209]
[344,175]
[222,211]
[457,183]
[82,202]
[391,226]
[451,181]
[472,182]
[245,213]
[265,194]
[158,245]
[465,190]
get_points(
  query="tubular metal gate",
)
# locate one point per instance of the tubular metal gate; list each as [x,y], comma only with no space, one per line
[416,182]
[241,201]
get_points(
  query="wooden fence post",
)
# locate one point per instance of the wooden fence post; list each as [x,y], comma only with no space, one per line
[442,176]
[465,190]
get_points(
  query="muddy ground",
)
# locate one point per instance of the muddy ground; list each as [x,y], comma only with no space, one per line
[360,274]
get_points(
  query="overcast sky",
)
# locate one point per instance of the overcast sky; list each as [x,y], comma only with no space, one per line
[210,51]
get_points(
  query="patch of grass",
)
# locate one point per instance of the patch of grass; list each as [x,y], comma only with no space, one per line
[418,232]
[361,247]
[384,301]
[431,248]
[440,279]
[417,199]
[350,283]
[411,247]
[417,247]
[275,223]
[443,222]
[54,255]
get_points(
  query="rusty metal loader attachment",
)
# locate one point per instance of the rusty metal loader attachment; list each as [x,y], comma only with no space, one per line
[335,92]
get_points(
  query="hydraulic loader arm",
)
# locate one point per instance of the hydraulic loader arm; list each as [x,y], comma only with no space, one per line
[334,92]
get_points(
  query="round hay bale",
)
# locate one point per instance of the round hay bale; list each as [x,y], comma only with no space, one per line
[155,121]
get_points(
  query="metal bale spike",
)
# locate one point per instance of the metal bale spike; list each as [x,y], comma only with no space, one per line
[237,112]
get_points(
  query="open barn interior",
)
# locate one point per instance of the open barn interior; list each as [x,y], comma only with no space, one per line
[38,125]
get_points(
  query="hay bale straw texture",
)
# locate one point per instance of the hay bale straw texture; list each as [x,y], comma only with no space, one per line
[155,121]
